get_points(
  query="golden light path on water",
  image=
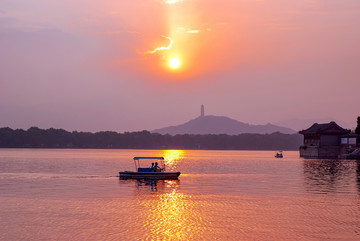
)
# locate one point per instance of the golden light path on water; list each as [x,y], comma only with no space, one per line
[171,215]
[172,157]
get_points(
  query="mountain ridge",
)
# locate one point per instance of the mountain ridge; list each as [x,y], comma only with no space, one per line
[211,124]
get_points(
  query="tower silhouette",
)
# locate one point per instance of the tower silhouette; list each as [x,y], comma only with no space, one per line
[202,111]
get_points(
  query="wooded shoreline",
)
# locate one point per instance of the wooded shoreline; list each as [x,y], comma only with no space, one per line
[35,137]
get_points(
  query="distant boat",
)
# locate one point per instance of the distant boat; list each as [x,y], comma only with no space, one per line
[279,154]
[154,172]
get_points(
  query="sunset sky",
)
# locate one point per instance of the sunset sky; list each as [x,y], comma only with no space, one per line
[93,65]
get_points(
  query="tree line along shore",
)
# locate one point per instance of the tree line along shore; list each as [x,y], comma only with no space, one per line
[35,137]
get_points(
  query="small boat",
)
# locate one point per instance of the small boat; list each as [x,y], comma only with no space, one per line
[154,172]
[279,154]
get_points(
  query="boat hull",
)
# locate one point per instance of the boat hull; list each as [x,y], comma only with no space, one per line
[149,175]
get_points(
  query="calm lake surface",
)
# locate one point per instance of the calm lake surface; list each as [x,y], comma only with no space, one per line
[52,194]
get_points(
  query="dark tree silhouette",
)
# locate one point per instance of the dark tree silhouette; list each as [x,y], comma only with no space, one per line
[357,130]
[35,137]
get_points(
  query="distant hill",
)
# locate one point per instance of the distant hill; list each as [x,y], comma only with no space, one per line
[221,125]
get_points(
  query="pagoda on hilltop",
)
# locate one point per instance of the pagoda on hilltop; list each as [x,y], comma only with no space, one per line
[202,113]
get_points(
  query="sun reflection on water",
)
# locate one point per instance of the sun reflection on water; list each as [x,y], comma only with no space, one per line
[167,213]
[172,157]
[173,217]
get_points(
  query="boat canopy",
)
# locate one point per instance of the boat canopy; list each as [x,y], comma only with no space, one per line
[141,157]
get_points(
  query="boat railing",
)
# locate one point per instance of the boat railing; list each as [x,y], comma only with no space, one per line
[145,169]
[138,168]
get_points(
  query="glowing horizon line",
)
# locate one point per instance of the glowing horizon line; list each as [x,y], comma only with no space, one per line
[161,48]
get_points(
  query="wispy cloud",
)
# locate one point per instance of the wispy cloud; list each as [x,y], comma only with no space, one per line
[115,32]
[161,48]
[193,31]
[172,1]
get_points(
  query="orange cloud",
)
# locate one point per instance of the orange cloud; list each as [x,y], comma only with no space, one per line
[161,48]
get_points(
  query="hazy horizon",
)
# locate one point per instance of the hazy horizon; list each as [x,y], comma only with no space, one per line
[92,66]
[293,124]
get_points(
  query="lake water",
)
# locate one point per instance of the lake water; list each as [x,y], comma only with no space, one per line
[51,194]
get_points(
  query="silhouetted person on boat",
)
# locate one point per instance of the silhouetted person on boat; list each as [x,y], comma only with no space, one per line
[152,167]
[156,167]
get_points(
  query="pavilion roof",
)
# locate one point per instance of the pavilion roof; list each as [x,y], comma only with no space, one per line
[327,129]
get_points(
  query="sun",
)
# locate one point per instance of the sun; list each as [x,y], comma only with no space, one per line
[174,63]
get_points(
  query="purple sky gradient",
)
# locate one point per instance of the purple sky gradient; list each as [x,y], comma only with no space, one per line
[80,64]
